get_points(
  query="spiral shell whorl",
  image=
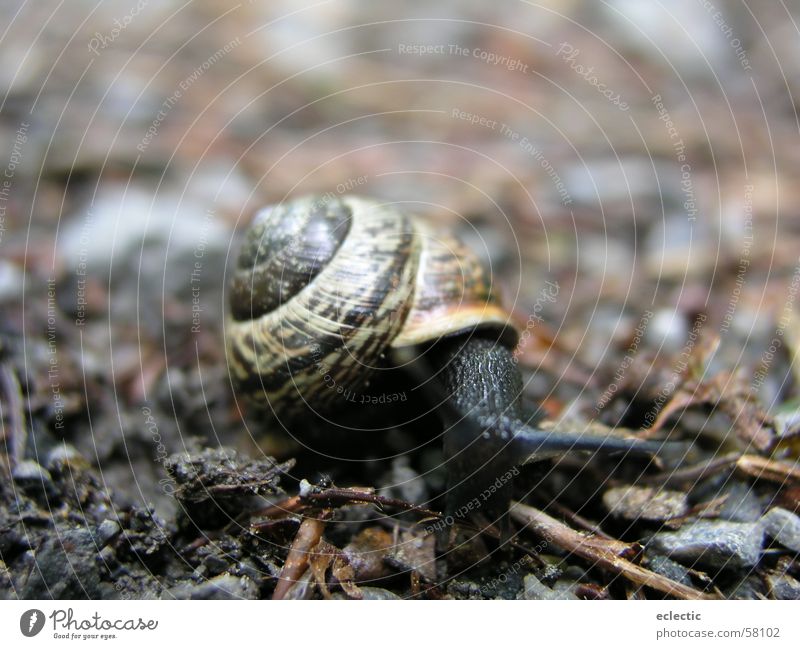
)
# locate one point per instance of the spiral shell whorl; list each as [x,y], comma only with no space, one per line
[300,350]
[284,250]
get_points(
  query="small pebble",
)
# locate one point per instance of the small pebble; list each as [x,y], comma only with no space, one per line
[783,586]
[106,531]
[783,526]
[749,588]
[535,589]
[741,505]
[787,423]
[667,330]
[65,566]
[369,592]
[670,569]
[215,564]
[62,455]
[34,479]
[222,587]
[11,281]
[712,544]
[648,503]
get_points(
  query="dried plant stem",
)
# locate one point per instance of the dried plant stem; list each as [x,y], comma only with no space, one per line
[305,540]
[603,553]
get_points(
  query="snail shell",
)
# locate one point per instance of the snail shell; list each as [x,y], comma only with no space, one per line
[326,290]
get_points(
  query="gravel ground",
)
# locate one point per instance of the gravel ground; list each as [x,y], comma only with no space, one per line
[628,172]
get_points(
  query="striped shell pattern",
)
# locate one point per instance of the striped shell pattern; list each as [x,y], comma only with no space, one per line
[325,289]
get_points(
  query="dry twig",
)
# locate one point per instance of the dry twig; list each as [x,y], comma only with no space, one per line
[307,537]
[601,552]
[763,468]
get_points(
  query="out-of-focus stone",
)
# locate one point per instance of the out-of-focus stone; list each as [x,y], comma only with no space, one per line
[712,544]
[648,503]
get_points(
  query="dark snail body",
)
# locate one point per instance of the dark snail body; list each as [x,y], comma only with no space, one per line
[488,433]
[327,293]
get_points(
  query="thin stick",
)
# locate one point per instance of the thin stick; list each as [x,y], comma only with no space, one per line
[307,537]
[354,495]
[693,473]
[290,505]
[599,552]
[766,469]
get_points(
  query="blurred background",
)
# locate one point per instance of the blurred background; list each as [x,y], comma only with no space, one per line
[641,157]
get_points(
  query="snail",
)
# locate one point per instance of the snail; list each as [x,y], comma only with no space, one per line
[328,291]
